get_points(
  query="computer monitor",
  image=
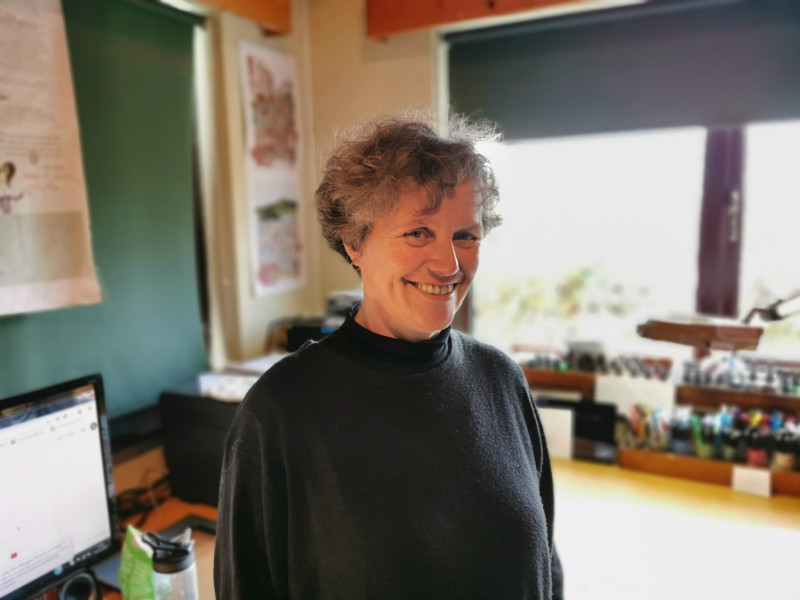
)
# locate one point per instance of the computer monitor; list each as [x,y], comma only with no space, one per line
[57,510]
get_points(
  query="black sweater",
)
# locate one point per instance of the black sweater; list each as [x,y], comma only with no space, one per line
[362,467]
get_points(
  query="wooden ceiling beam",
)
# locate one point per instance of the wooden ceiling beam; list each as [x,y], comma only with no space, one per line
[273,15]
[388,17]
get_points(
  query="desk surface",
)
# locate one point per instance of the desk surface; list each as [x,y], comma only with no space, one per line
[592,496]
[623,534]
[169,513]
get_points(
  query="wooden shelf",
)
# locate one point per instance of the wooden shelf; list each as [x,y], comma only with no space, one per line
[705,398]
[676,465]
[576,381]
[729,335]
[713,398]
[785,483]
[273,15]
[389,17]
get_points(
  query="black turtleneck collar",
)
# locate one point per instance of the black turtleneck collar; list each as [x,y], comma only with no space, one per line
[391,354]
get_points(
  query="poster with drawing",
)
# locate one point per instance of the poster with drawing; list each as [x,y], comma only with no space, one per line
[45,244]
[277,239]
[272,142]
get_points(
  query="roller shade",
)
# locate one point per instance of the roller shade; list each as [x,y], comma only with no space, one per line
[662,64]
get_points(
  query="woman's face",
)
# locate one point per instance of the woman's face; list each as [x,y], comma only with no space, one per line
[417,264]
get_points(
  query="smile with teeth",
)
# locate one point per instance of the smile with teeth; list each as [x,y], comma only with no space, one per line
[436,290]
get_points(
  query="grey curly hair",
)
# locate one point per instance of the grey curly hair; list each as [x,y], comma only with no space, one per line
[368,170]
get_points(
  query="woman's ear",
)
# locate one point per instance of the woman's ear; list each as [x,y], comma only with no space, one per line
[351,253]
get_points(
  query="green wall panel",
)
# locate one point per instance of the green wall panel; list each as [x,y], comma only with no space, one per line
[132,73]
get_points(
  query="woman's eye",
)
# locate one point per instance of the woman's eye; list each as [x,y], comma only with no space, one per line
[466,237]
[417,234]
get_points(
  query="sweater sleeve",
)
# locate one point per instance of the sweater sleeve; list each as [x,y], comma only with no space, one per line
[250,554]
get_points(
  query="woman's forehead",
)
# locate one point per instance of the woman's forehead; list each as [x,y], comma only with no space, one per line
[460,203]
[423,200]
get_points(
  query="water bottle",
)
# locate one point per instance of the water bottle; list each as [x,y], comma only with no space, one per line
[174,567]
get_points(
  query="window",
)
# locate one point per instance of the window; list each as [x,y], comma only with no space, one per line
[600,233]
[604,232]
[769,267]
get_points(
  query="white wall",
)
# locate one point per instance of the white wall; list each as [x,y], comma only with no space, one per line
[243,317]
[355,79]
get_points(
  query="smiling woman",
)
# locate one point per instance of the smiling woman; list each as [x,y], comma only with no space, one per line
[396,458]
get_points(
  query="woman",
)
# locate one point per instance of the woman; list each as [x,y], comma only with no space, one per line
[396,458]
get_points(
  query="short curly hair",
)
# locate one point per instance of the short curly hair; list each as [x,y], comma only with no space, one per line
[369,169]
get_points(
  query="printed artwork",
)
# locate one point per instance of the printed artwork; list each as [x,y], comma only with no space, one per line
[46,257]
[272,141]
[278,242]
[274,125]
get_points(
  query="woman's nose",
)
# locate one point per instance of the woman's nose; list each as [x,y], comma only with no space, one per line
[443,261]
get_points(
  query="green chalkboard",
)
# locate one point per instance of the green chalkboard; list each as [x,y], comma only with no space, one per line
[132,71]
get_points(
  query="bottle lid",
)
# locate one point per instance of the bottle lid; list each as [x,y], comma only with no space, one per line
[170,556]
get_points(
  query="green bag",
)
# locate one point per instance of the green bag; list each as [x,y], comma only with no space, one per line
[136,567]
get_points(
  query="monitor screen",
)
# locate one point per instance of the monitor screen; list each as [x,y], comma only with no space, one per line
[57,511]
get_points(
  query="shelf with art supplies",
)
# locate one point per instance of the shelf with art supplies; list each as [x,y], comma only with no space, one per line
[708,383]
[579,392]
[735,380]
[704,387]
[584,368]
[735,418]
[731,377]
[751,450]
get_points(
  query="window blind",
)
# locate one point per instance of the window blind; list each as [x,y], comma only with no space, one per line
[660,64]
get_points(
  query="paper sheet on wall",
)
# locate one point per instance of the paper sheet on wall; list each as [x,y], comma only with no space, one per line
[45,244]
[272,150]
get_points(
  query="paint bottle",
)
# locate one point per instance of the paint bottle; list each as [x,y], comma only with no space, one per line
[784,456]
[797,452]
[758,443]
[730,444]
[742,424]
[681,434]
[702,444]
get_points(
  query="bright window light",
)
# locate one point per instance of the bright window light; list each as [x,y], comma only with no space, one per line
[770,268]
[600,234]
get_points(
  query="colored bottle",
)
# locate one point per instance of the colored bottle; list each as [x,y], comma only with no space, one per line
[784,456]
[758,443]
[680,439]
[730,444]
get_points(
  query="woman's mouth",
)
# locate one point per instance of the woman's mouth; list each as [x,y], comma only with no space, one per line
[435,290]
